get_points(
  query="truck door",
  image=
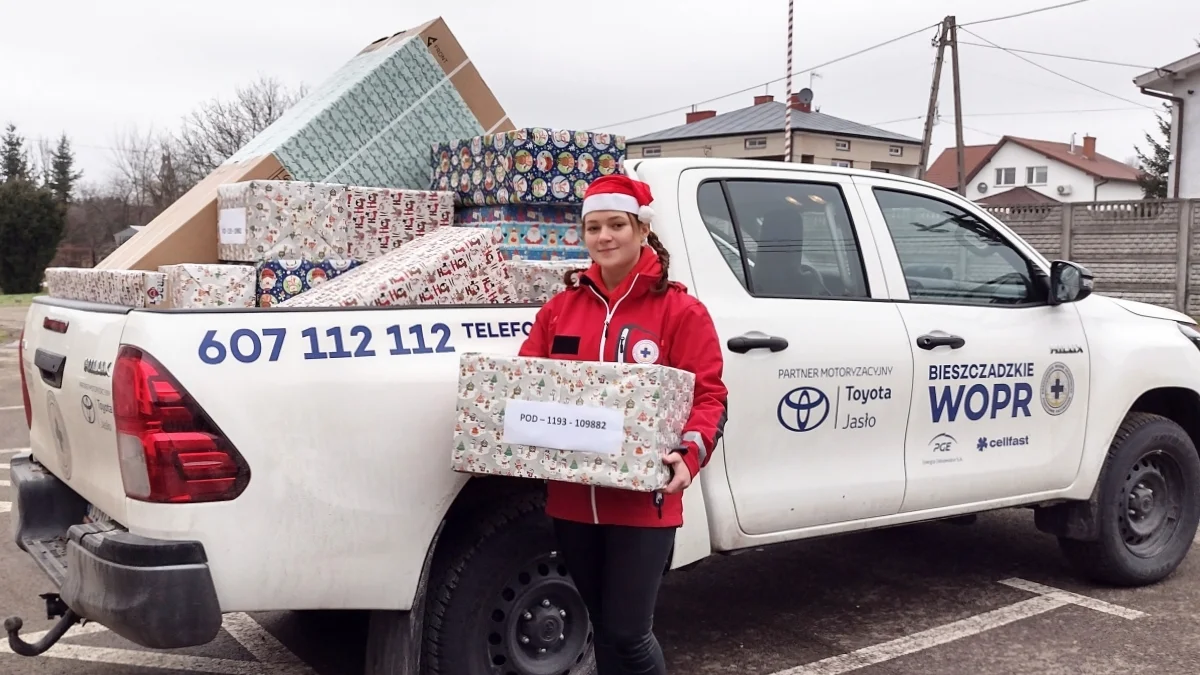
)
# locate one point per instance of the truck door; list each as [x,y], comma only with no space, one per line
[1000,393]
[819,372]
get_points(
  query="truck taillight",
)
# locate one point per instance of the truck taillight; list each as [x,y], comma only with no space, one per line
[169,448]
[24,384]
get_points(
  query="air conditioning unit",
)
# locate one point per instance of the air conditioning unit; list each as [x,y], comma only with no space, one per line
[1064,189]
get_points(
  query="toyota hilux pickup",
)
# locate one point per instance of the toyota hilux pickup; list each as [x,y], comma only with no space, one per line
[893,353]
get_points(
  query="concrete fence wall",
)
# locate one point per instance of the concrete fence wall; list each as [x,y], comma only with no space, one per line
[1146,250]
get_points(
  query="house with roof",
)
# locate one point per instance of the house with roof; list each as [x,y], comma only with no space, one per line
[1029,171]
[757,132]
[1179,83]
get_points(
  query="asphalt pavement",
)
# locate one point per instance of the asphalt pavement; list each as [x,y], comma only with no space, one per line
[934,599]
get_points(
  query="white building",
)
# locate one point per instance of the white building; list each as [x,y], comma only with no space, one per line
[1024,170]
[1179,83]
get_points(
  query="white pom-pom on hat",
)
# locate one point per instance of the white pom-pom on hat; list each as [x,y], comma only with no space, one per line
[645,214]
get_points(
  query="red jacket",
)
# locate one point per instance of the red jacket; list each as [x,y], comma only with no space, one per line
[577,322]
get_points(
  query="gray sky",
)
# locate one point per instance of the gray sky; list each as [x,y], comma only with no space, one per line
[93,68]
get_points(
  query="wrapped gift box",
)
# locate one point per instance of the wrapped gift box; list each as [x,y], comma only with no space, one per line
[129,288]
[371,122]
[382,219]
[533,232]
[525,166]
[265,219]
[448,266]
[196,285]
[641,409]
[539,280]
[281,280]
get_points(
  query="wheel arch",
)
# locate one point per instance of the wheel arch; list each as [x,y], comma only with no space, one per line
[1075,519]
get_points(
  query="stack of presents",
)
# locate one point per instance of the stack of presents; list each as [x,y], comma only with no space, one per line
[399,180]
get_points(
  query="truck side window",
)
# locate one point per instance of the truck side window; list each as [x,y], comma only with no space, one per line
[950,255]
[794,239]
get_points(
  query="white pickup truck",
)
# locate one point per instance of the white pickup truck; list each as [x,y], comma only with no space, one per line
[189,463]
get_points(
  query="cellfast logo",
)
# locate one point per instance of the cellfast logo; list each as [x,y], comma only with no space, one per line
[985,443]
[978,400]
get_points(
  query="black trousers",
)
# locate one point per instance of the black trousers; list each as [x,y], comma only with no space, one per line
[618,571]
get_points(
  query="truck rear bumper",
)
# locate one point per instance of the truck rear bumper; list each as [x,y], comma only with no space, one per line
[155,593]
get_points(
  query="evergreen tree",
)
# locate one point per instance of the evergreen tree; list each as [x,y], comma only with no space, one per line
[1157,165]
[14,159]
[60,177]
[31,225]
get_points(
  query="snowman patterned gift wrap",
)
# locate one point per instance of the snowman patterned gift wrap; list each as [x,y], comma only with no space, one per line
[203,285]
[525,166]
[604,424]
[530,232]
[281,280]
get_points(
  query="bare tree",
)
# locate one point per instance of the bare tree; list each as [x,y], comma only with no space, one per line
[148,171]
[217,129]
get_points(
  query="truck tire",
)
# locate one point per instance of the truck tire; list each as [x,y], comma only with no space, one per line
[1147,505]
[502,603]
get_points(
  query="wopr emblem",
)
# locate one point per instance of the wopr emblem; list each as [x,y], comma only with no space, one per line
[1058,388]
[803,409]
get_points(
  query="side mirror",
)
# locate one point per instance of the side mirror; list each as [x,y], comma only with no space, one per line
[1069,282]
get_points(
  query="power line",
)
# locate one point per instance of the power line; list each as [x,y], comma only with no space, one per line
[1061,56]
[1055,72]
[778,79]
[1013,113]
[1032,11]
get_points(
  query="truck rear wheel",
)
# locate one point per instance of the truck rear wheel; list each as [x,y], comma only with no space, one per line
[1148,505]
[502,603]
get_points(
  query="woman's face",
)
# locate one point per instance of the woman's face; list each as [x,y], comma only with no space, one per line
[614,239]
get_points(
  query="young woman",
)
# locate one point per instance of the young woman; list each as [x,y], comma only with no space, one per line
[622,308]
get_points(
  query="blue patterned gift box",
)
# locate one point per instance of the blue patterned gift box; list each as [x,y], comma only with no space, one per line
[370,123]
[534,232]
[525,166]
[280,280]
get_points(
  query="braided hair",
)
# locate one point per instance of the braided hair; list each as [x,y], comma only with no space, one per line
[570,278]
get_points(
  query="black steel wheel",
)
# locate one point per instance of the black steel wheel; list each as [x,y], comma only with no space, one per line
[1147,506]
[539,625]
[502,602]
[1153,497]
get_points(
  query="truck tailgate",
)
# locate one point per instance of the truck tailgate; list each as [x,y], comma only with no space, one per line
[69,351]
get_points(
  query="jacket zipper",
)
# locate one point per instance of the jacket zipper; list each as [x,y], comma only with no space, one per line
[608,316]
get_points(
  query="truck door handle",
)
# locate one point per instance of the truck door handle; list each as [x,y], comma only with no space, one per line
[943,340]
[51,366]
[744,343]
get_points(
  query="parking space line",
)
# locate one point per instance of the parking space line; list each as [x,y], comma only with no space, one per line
[1048,599]
[11,407]
[5,507]
[10,451]
[1075,598]
[4,483]
[264,646]
[165,661]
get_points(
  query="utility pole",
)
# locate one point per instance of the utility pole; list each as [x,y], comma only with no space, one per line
[931,111]
[787,115]
[952,26]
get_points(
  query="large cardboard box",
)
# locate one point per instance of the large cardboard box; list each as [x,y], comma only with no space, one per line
[186,232]
[585,422]
[373,121]
[370,124]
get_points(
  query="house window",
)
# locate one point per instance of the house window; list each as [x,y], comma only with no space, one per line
[841,145]
[756,143]
[896,150]
[652,151]
[807,159]
[844,163]
[881,169]
[1035,175]
[1006,176]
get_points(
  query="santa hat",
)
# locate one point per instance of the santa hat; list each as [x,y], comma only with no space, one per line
[618,192]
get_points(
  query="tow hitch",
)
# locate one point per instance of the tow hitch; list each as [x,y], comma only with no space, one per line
[55,607]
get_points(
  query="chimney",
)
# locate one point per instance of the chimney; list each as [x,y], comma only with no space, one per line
[797,104]
[1089,146]
[700,115]
[764,98]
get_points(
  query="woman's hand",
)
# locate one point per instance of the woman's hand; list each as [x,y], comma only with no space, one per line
[683,476]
